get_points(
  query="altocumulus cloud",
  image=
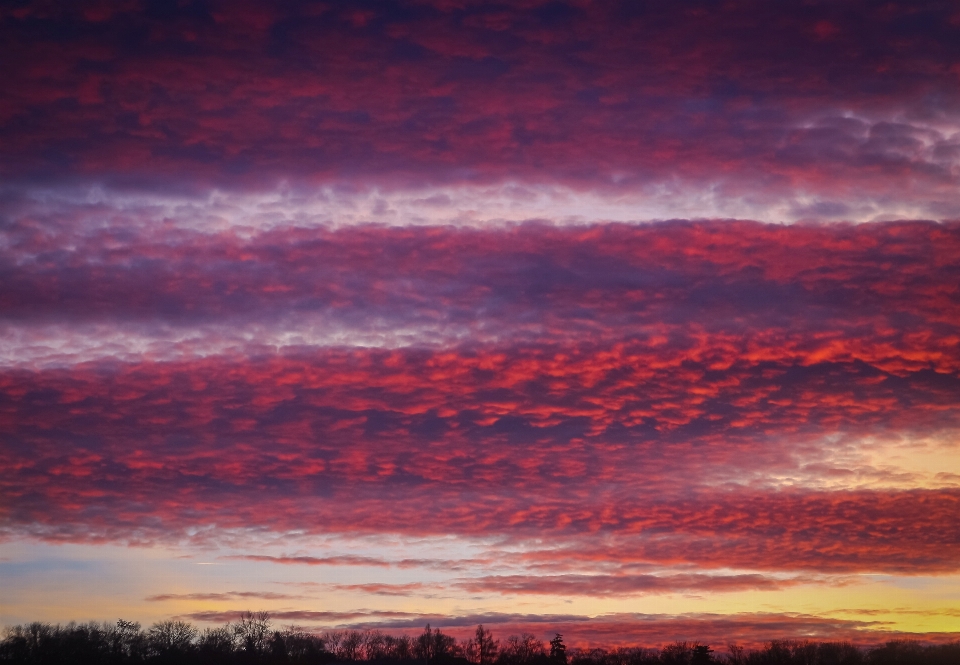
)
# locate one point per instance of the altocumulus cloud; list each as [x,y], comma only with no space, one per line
[274,274]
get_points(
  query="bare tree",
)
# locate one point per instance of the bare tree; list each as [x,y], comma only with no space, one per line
[351,646]
[216,642]
[433,645]
[166,636]
[252,631]
[481,648]
[332,640]
[301,645]
[127,639]
[375,645]
[735,655]
[400,648]
[523,649]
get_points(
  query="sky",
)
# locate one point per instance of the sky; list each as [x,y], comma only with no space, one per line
[635,321]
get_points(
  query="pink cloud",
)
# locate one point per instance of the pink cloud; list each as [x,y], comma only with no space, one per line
[225,596]
[179,332]
[597,96]
[627,584]
[639,381]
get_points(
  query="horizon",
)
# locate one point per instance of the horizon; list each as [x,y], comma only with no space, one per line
[458,644]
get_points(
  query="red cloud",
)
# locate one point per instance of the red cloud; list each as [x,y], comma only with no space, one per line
[626,584]
[639,396]
[379,589]
[316,561]
[712,291]
[225,616]
[629,389]
[598,95]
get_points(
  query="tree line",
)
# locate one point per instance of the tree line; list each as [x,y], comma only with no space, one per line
[252,639]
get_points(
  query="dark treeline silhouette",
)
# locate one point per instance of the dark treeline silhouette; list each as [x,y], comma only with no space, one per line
[253,640]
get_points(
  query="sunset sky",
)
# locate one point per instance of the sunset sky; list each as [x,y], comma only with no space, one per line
[635,321]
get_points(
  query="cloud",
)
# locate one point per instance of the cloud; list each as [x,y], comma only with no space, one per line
[714,393]
[314,561]
[224,596]
[212,616]
[592,585]
[381,589]
[353,560]
[595,96]
[706,291]
[321,271]
[625,584]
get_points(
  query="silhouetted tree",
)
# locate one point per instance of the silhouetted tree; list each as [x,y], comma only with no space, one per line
[171,639]
[633,656]
[127,641]
[433,646]
[558,650]
[251,641]
[401,648]
[521,650]
[482,648]
[735,655]
[619,656]
[903,652]
[332,641]
[790,652]
[351,645]
[839,653]
[252,632]
[303,647]
[899,651]
[375,645]
[700,655]
[678,653]
[278,648]
[216,645]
